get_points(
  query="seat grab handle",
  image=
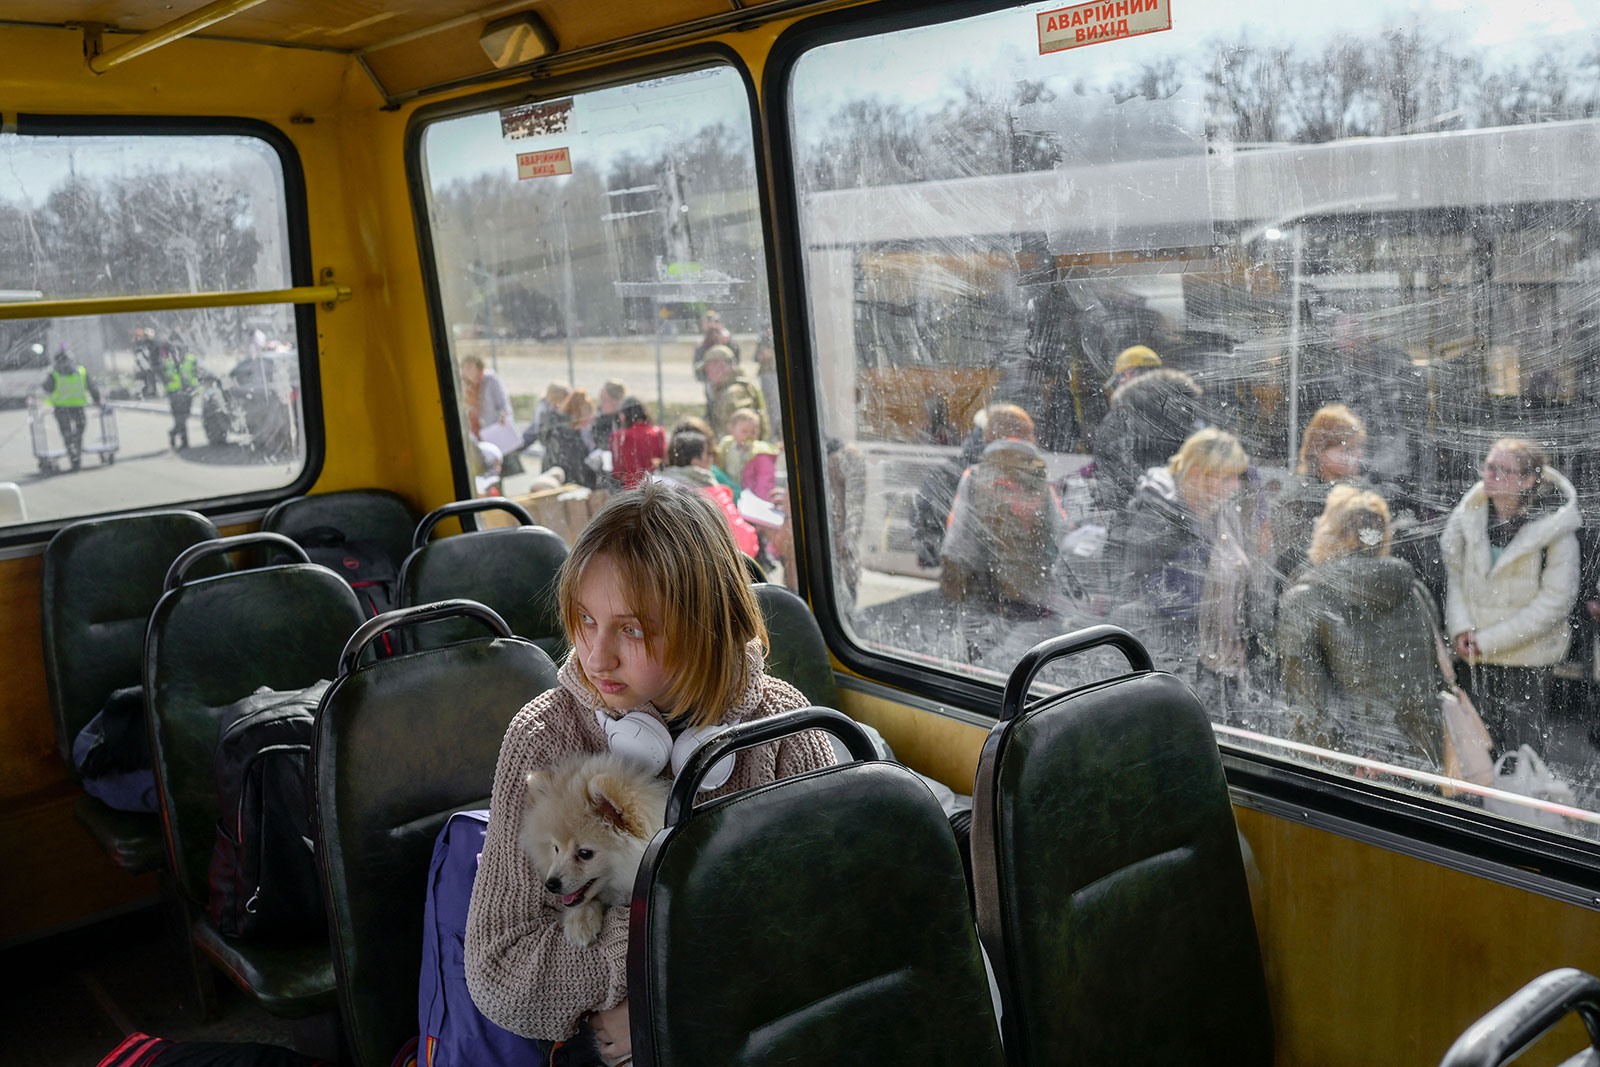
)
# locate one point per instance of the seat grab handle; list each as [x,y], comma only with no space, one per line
[1015,701]
[760,732]
[370,630]
[222,545]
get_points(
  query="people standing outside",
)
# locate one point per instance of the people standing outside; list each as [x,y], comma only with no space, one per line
[182,378]
[703,428]
[489,415]
[1006,523]
[731,389]
[568,440]
[1183,552]
[555,394]
[637,446]
[1330,454]
[766,356]
[749,461]
[609,417]
[712,334]
[1356,641]
[1153,411]
[689,464]
[1511,554]
[69,389]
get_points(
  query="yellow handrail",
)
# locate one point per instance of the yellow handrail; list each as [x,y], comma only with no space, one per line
[168,32]
[121,305]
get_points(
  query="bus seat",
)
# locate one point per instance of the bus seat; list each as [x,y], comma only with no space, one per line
[211,642]
[360,514]
[798,653]
[101,578]
[1108,877]
[511,569]
[1526,1016]
[402,744]
[822,918]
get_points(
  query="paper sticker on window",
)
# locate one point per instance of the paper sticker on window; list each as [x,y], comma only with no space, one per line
[546,164]
[1105,20]
[535,120]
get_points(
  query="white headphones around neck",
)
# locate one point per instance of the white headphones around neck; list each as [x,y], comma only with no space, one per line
[646,740]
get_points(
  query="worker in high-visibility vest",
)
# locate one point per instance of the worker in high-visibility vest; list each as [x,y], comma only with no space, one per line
[182,376]
[70,389]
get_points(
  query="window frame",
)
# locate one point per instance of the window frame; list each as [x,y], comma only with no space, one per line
[607,76]
[1450,834]
[26,538]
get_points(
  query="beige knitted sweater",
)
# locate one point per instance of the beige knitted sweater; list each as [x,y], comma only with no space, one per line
[521,970]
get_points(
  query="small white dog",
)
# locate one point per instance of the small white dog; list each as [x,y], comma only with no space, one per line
[585,825]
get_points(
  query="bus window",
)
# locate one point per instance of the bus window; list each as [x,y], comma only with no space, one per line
[591,250]
[1276,346]
[108,412]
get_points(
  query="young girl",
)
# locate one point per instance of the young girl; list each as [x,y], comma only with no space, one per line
[662,623]
[750,461]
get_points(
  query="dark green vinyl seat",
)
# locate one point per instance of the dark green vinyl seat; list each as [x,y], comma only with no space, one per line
[101,578]
[798,653]
[360,514]
[819,919]
[512,570]
[1111,893]
[213,641]
[401,745]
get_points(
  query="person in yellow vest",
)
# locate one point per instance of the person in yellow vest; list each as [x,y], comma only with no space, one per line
[70,389]
[182,376]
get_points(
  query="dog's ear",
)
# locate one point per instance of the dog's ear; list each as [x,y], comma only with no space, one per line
[537,783]
[603,789]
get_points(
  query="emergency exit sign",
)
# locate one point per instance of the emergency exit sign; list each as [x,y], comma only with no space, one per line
[545,164]
[1105,20]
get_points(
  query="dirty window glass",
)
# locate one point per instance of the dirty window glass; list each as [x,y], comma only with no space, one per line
[1273,340]
[602,278]
[111,412]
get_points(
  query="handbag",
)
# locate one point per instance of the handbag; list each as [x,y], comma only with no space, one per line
[1466,741]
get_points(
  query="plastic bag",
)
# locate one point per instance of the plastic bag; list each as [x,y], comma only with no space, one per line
[1524,772]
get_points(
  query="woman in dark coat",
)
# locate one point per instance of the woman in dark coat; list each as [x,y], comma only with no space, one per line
[567,443]
[1359,669]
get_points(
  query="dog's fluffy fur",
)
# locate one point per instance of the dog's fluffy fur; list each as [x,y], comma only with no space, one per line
[585,825]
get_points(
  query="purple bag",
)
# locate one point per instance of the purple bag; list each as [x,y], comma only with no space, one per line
[454,1032]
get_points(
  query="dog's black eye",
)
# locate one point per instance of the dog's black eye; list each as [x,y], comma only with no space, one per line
[586,853]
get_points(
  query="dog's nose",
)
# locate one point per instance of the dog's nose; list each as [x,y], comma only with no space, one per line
[553,884]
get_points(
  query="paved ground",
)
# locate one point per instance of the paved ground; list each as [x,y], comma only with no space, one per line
[145,471]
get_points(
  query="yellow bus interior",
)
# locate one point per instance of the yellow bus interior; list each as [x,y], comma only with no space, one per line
[1373,955]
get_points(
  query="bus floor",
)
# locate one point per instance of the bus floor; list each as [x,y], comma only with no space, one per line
[77,994]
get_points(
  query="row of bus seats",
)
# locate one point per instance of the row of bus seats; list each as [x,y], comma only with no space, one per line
[102,577]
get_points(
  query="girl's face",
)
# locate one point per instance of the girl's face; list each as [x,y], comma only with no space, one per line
[1341,460]
[744,430]
[614,648]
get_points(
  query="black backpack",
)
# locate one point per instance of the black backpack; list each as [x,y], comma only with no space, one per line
[365,565]
[263,866]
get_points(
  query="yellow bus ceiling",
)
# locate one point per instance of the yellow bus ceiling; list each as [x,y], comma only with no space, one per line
[406,48]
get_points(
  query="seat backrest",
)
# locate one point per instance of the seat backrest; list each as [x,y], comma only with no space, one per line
[512,570]
[1111,894]
[797,654]
[360,514]
[101,578]
[821,919]
[213,641]
[401,745]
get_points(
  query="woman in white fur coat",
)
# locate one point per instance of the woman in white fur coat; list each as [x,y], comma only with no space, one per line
[1512,556]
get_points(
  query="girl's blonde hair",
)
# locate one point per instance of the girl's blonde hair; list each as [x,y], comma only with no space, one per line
[672,547]
[1353,521]
[1333,424]
[1209,451]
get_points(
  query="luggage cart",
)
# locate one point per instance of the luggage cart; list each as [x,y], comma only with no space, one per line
[106,447]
